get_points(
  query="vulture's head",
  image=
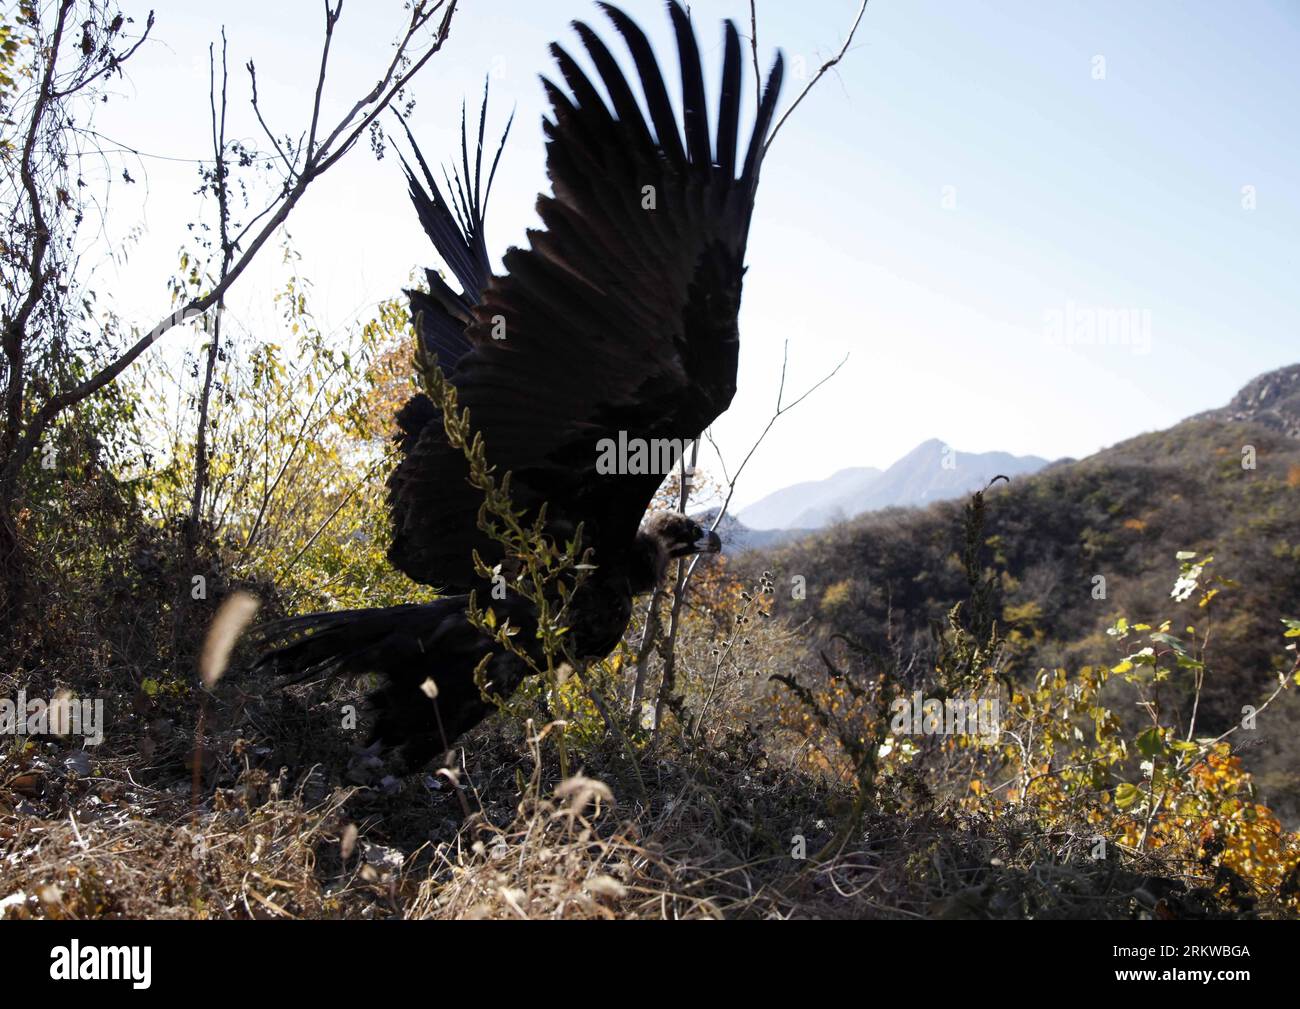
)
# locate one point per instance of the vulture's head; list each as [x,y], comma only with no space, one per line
[665,537]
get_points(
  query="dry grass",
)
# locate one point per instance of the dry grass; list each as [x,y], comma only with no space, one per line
[712,841]
[242,806]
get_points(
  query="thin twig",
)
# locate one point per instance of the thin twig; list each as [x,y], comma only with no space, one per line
[821,72]
[316,163]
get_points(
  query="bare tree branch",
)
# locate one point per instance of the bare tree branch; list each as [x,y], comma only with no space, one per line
[220,182]
[331,19]
[257,110]
[821,72]
[652,626]
[314,164]
[780,409]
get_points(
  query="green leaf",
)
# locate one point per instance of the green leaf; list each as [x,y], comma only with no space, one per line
[1151,743]
[1171,641]
[1126,795]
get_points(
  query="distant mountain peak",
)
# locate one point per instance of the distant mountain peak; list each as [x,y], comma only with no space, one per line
[1271,399]
[932,471]
[787,508]
[935,471]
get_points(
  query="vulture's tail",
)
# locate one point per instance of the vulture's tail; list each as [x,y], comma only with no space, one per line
[424,655]
[346,642]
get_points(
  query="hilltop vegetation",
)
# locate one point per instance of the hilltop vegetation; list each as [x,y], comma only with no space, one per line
[1080,544]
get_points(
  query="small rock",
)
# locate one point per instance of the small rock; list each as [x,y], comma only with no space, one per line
[29,783]
[385,858]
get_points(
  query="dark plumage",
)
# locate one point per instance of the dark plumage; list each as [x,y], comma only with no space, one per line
[620,316]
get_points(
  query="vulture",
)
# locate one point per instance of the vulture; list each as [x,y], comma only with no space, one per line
[617,322]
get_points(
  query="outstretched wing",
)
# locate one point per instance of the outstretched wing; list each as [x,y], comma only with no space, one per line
[617,322]
[455,226]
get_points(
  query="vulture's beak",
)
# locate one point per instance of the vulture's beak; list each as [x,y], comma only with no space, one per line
[708,543]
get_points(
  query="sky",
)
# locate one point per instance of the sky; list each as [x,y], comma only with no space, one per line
[1035,227]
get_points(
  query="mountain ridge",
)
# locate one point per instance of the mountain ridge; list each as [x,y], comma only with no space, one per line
[932,471]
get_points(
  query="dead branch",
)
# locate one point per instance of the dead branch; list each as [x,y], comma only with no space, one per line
[821,72]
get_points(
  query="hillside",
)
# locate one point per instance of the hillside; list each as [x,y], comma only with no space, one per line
[1121,514]
[1272,399]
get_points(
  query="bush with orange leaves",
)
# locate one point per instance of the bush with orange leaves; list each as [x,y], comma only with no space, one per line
[1150,789]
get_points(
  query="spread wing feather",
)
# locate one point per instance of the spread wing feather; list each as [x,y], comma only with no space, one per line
[619,316]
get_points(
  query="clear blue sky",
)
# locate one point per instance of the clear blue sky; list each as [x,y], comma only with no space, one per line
[961,176]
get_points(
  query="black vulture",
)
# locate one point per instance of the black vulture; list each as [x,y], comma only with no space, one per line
[618,321]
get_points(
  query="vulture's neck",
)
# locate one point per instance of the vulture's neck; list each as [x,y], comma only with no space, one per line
[647,564]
